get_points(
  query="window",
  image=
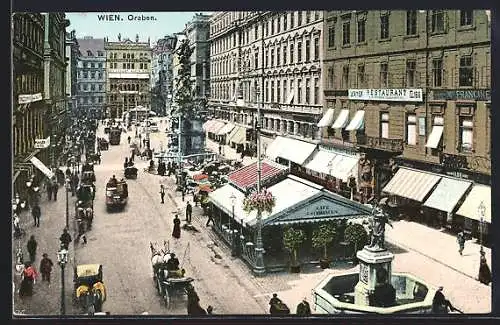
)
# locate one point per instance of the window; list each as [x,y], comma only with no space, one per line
[85,64]
[316,49]
[316,15]
[308,50]
[299,18]
[285,52]
[308,91]
[100,87]
[384,125]
[272,91]
[292,19]
[361,30]
[100,75]
[272,57]
[256,32]
[299,91]
[285,21]
[266,57]
[124,66]
[410,73]
[316,91]
[100,65]
[145,65]
[361,76]
[466,17]
[100,99]
[85,74]
[331,35]
[411,129]
[141,65]
[466,134]
[330,78]
[267,90]
[345,77]
[292,91]
[85,87]
[437,24]
[299,52]
[285,90]
[346,33]
[466,72]
[383,75]
[124,56]
[384,27]
[256,59]
[308,17]
[278,25]
[278,91]
[437,72]
[411,22]
[99,53]
[272,30]
[89,53]
[92,87]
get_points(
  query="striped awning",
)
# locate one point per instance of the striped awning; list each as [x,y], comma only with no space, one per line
[344,166]
[247,176]
[358,122]
[207,124]
[215,127]
[412,184]
[295,150]
[226,129]
[447,194]
[238,135]
[469,209]
[320,162]
[327,119]
[435,136]
[341,120]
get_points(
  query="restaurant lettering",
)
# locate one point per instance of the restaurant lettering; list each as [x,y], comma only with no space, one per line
[322,210]
[398,95]
[461,94]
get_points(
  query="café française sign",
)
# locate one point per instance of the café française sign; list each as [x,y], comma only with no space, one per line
[393,95]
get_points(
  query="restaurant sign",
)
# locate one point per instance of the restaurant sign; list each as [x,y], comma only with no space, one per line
[461,94]
[25,99]
[393,95]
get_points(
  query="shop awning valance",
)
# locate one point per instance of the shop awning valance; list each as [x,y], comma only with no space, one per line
[319,163]
[215,127]
[435,136]
[358,122]
[447,194]
[226,129]
[469,207]
[295,150]
[238,135]
[411,184]
[327,119]
[274,148]
[341,120]
[343,166]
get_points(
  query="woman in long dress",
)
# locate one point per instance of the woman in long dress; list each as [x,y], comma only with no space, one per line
[176,233]
[484,270]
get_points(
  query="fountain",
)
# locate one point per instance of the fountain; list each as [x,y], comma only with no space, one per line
[375,289]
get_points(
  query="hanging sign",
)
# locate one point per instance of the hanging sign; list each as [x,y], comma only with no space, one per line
[42,143]
[394,95]
[25,99]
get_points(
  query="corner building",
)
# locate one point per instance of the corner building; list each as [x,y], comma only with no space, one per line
[410,89]
[271,59]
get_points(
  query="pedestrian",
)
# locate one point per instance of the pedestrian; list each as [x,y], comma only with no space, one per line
[189,212]
[49,190]
[440,304]
[132,156]
[46,267]
[183,192]
[242,154]
[484,270]
[195,198]
[210,218]
[29,276]
[220,149]
[55,188]
[162,193]
[36,213]
[303,309]
[81,231]
[17,226]
[32,245]
[176,233]
[461,241]
[65,239]
[143,142]
[128,139]
[210,310]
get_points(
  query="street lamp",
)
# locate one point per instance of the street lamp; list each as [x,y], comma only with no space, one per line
[233,200]
[62,259]
[481,210]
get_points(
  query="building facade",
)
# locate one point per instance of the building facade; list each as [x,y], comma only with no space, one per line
[72,53]
[422,81]
[30,115]
[91,77]
[162,75]
[128,75]
[271,59]
[197,32]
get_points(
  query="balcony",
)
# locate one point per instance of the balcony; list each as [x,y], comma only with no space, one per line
[392,145]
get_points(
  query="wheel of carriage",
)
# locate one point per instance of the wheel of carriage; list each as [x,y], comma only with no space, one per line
[159,286]
[166,298]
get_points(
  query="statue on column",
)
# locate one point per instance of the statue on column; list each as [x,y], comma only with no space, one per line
[119,37]
[378,221]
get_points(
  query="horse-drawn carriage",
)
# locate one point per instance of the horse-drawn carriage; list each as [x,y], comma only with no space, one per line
[170,280]
[103,144]
[88,175]
[116,194]
[90,292]
[130,172]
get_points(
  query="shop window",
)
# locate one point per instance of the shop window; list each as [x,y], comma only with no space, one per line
[384,125]
[411,129]
[361,30]
[411,22]
[384,27]
[466,72]
[466,17]
[346,33]
[466,134]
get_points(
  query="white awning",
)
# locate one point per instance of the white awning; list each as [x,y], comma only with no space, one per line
[411,184]
[290,97]
[207,124]
[327,119]
[274,148]
[226,129]
[238,135]
[215,126]
[320,161]
[435,136]
[295,150]
[447,194]
[41,166]
[341,120]
[343,167]
[469,208]
[119,75]
[358,122]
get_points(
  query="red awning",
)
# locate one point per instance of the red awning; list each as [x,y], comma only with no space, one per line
[205,188]
[247,176]
[199,177]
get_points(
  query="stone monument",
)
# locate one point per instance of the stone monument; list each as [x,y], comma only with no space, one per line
[374,260]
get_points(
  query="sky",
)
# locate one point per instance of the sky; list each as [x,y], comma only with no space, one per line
[94,24]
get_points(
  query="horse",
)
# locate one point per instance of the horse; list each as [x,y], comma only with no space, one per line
[91,299]
[89,216]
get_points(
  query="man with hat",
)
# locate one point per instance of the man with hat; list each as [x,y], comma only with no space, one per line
[440,304]
[303,309]
[46,267]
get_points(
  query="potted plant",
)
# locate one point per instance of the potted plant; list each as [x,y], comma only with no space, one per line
[357,235]
[321,238]
[292,239]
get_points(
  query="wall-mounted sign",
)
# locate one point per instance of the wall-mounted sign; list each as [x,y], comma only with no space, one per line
[25,99]
[42,143]
[393,95]
[461,94]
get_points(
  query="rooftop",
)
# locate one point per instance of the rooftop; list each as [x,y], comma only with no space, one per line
[90,44]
